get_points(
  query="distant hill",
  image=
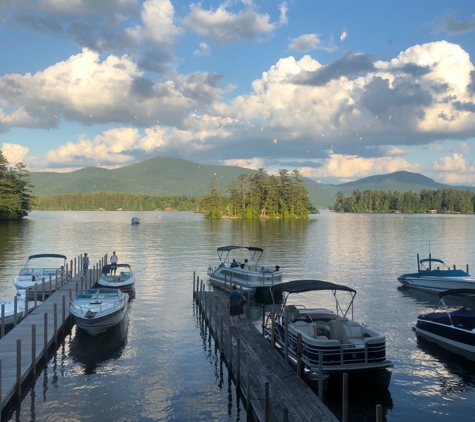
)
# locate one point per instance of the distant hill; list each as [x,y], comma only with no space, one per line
[401,181]
[175,176]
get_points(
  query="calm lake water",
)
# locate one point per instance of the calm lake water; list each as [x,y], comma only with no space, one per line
[158,366]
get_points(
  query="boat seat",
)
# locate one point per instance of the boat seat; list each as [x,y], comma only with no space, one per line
[306,328]
[353,334]
[336,328]
[290,311]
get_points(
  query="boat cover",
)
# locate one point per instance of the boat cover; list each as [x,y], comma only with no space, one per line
[301,286]
[230,248]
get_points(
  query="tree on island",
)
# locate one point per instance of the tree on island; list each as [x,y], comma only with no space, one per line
[15,190]
[260,196]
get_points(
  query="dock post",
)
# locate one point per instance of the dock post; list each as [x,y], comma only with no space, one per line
[43,287]
[418,264]
[238,365]
[2,332]
[194,280]
[286,415]
[272,333]
[225,282]
[248,304]
[230,346]
[263,320]
[73,274]
[15,311]
[454,267]
[467,269]
[286,339]
[33,349]
[299,355]
[209,313]
[320,375]
[36,295]
[55,322]
[45,338]
[266,401]
[220,336]
[51,282]
[1,383]
[18,367]
[63,313]
[345,398]
[248,386]
[70,270]
[379,413]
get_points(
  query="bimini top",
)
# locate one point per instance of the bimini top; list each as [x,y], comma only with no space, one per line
[230,248]
[47,255]
[301,286]
[457,292]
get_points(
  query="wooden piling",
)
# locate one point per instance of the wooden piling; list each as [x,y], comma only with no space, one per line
[379,413]
[299,355]
[3,321]
[345,398]
[18,367]
[15,311]
[33,349]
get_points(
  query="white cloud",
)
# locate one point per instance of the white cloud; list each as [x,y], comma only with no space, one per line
[351,167]
[14,153]
[223,26]
[454,169]
[204,50]
[462,148]
[305,42]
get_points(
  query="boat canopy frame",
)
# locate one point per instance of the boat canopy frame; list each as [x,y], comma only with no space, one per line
[46,255]
[303,286]
[224,251]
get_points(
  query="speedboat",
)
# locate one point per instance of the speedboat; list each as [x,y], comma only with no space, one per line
[454,329]
[334,338]
[23,305]
[96,310]
[117,276]
[435,275]
[48,267]
[135,221]
[250,274]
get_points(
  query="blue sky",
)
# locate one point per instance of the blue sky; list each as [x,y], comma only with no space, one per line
[338,90]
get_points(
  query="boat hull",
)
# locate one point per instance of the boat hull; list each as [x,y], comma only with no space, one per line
[458,341]
[250,281]
[96,326]
[126,286]
[433,283]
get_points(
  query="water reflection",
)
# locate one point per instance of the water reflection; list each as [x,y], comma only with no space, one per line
[91,351]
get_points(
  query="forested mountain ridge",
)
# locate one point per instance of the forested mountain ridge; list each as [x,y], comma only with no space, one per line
[177,177]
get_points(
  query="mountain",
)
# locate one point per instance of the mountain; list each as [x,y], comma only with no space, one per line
[401,181]
[174,176]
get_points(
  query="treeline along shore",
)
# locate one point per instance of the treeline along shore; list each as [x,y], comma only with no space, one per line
[445,200]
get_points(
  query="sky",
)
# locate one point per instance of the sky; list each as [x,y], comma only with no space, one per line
[339,90]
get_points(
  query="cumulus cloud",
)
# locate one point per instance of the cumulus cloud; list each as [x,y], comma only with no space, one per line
[307,42]
[14,153]
[90,91]
[224,27]
[454,169]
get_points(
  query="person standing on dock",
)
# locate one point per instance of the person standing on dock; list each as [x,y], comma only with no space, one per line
[85,263]
[114,260]
[234,304]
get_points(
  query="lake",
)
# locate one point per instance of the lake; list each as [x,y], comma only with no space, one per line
[158,366]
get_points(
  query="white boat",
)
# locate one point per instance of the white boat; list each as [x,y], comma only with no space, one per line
[345,345]
[434,275]
[452,329]
[39,268]
[118,276]
[22,305]
[250,273]
[135,221]
[96,310]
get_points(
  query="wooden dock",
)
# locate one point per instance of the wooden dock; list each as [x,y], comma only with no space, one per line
[27,345]
[269,386]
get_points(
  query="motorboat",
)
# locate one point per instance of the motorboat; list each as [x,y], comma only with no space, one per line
[250,273]
[451,327]
[97,310]
[49,268]
[24,306]
[117,276]
[135,221]
[341,344]
[435,275]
